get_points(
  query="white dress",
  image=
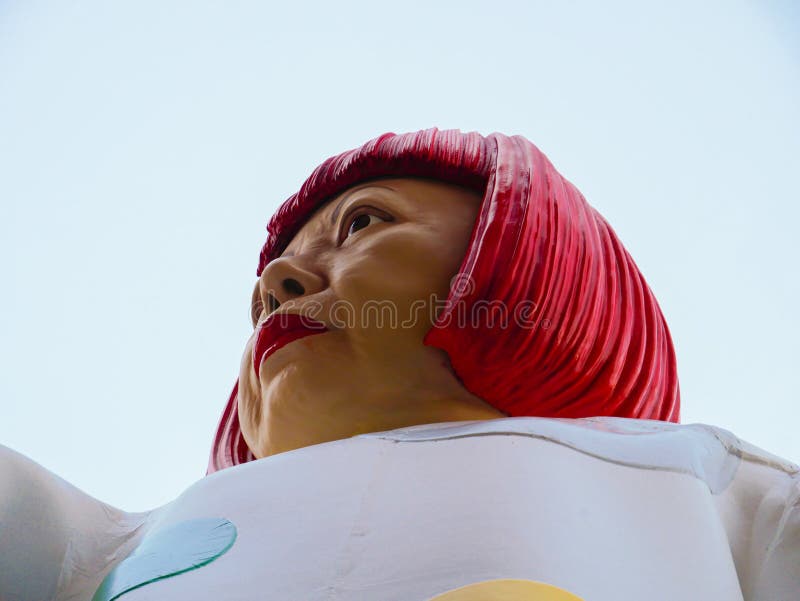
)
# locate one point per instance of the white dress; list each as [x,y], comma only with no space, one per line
[606,509]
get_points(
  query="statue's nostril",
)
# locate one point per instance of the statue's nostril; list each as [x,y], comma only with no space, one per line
[293,287]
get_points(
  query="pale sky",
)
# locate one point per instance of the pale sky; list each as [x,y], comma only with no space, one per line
[144,145]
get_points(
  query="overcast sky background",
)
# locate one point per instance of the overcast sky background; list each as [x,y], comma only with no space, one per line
[144,145]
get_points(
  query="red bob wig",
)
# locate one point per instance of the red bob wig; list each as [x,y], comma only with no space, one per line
[593,342]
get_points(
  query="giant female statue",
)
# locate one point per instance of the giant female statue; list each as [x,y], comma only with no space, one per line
[458,386]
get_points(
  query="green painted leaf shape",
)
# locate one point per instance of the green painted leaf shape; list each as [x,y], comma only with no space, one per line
[174,550]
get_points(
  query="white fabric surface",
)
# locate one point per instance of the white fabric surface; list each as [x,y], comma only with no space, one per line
[607,509]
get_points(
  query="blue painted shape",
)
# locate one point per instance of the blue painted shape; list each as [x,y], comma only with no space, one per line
[176,549]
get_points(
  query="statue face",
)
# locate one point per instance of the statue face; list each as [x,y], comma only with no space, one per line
[368,267]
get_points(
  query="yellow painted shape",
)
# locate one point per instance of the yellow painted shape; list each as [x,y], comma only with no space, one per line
[507,590]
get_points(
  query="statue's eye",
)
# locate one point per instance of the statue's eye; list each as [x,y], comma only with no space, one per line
[363,218]
[359,222]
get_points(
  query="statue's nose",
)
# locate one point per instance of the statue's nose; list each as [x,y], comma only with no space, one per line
[287,278]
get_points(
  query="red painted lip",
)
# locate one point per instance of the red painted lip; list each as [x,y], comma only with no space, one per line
[278,330]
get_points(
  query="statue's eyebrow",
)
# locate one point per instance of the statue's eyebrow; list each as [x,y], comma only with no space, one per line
[338,207]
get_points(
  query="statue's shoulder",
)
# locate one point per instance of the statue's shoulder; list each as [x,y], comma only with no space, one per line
[709,453]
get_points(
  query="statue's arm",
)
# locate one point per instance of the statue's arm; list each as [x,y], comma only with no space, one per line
[56,542]
[775,543]
[760,511]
